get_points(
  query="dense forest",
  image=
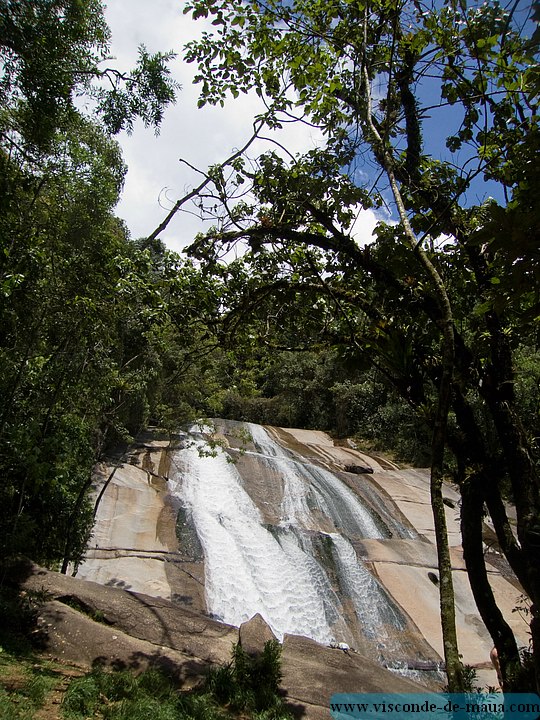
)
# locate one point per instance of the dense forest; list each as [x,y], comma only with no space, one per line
[424,342]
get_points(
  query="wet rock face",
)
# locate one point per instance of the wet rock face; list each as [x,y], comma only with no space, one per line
[317,551]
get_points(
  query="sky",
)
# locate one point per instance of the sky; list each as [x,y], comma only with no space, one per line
[202,137]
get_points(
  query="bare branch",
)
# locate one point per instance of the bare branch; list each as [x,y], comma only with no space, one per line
[207,179]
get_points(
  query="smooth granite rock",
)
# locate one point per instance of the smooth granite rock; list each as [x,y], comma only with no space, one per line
[138,631]
[254,634]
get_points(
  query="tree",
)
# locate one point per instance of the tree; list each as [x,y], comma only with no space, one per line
[96,332]
[79,302]
[53,51]
[361,72]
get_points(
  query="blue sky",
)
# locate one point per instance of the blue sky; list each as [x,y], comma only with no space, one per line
[156,177]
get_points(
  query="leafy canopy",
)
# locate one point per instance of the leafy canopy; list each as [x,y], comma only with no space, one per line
[52,52]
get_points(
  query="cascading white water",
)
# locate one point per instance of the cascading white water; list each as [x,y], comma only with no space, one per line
[277,572]
[247,569]
[294,505]
[301,479]
[374,609]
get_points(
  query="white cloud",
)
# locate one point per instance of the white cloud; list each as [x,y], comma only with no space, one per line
[203,137]
[363,227]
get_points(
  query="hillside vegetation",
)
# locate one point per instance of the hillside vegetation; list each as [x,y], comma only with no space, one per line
[424,339]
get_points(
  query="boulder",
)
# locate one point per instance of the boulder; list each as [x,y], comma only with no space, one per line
[70,636]
[138,631]
[312,673]
[359,469]
[254,634]
[154,620]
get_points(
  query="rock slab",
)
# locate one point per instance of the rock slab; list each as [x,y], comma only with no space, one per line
[138,631]
[254,634]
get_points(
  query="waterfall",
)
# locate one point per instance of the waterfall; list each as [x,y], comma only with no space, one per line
[294,506]
[247,569]
[375,610]
[303,480]
[294,573]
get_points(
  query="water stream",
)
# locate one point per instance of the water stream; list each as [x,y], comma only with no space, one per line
[295,574]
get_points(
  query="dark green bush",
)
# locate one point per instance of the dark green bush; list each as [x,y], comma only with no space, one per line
[247,685]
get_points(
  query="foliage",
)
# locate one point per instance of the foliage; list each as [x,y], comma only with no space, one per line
[53,51]
[121,695]
[100,335]
[443,303]
[247,684]
[251,683]
[26,679]
[319,389]
[94,336]
[93,328]
[19,613]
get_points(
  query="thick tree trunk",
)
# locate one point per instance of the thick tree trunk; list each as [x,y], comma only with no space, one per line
[507,542]
[473,491]
[498,391]
[471,449]
[524,487]
[484,487]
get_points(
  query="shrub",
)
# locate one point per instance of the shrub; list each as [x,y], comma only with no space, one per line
[247,685]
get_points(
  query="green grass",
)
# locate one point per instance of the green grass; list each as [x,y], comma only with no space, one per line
[246,687]
[25,683]
[25,678]
[121,695]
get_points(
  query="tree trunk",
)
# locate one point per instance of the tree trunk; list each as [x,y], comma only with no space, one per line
[507,542]
[497,389]
[72,526]
[454,666]
[498,392]
[523,477]
[471,449]
[473,491]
